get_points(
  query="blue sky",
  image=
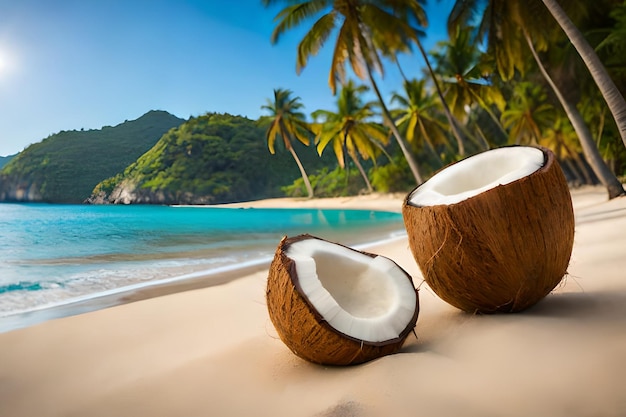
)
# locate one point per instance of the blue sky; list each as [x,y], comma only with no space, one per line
[72,64]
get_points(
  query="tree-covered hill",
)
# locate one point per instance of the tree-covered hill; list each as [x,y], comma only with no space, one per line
[65,167]
[213,158]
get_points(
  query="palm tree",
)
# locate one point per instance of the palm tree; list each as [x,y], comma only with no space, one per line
[350,129]
[507,25]
[601,169]
[405,47]
[609,90]
[562,139]
[419,115]
[498,23]
[612,48]
[287,121]
[364,28]
[461,66]
[607,140]
[527,114]
[451,120]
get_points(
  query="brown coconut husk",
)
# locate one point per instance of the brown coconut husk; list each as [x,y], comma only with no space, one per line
[500,251]
[302,328]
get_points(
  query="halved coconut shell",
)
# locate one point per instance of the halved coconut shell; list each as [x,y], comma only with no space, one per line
[502,249]
[334,305]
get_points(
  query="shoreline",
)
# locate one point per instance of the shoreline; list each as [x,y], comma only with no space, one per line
[127,294]
[198,279]
[376,201]
[138,292]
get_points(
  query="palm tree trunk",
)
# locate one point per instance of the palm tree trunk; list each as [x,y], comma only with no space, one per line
[580,165]
[602,171]
[394,130]
[453,126]
[479,142]
[402,74]
[305,177]
[429,142]
[584,168]
[483,138]
[491,114]
[607,87]
[363,173]
[601,127]
[578,180]
[356,162]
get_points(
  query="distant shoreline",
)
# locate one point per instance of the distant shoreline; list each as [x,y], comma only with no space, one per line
[198,279]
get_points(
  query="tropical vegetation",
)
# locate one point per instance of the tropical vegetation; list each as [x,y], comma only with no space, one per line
[213,158]
[510,73]
[365,31]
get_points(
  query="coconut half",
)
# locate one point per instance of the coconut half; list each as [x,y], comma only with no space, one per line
[493,232]
[334,305]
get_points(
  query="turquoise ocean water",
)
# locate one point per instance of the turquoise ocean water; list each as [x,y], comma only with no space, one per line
[52,255]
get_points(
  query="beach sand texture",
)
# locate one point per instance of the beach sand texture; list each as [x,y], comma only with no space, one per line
[213,351]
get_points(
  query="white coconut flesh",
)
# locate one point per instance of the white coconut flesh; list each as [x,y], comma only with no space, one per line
[477,174]
[367,298]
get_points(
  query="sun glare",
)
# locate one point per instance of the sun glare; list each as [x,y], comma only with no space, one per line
[5,61]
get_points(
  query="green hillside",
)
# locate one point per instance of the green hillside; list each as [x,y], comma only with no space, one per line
[209,159]
[65,167]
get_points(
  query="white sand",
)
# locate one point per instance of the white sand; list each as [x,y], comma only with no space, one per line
[214,352]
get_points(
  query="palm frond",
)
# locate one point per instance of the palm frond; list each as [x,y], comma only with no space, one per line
[337,66]
[293,15]
[314,39]
[272,132]
[464,13]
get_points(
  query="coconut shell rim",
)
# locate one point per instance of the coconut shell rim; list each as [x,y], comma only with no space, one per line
[287,241]
[548,160]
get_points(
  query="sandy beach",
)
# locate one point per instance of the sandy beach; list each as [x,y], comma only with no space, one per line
[213,351]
